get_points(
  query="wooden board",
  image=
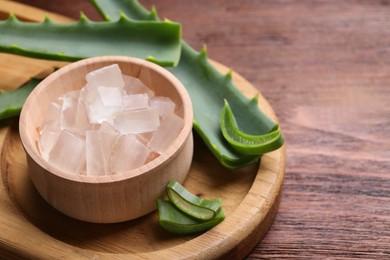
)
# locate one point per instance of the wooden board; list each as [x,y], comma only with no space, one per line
[31,228]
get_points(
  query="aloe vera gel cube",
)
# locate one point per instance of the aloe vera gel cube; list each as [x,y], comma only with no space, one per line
[125,159]
[135,101]
[49,136]
[69,109]
[101,102]
[109,76]
[164,105]
[137,121]
[170,128]
[98,151]
[68,153]
[53,113]
[135,86]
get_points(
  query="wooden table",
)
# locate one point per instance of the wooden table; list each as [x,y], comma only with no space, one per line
[325,68]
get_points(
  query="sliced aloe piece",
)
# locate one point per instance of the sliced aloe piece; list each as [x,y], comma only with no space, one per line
[11,102]
[191,204]
[155,41]
[177,222]
[208,89]
[244,143]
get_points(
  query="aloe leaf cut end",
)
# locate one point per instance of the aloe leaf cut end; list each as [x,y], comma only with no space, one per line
[192,205]
[244,143]
[175,221]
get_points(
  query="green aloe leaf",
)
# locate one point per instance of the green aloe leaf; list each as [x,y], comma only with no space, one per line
[155,41]
[244,143]
[11,102]
[177,222]
[191,204]
[208,89]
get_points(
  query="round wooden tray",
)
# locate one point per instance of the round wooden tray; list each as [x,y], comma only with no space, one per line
[250,199]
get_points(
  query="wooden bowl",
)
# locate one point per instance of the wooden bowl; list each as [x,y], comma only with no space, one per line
[117,197]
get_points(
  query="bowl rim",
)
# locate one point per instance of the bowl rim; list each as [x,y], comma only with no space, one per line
[185,133]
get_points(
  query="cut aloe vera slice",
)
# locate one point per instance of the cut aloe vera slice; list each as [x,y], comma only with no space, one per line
[11,102]
[244,143]
[177,222]
[191,204]
[158,42]
[207,88]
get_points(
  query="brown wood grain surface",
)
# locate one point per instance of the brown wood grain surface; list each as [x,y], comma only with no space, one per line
[325,68]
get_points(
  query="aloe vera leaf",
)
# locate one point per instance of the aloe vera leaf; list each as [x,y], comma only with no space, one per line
[208,88]
[175,221]
[158,42]
[191,204]
[11,102]
[244,143]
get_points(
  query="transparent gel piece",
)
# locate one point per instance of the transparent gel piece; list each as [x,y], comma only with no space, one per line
[53,113]
[107,127]
[48,137]
[145,137]
[128,154]
[68,153]
[69,109]
[137,121]
[135,86]
[169,129]
[110,97]
[101,103]
[165,105]
[135,101]
[74,114]
[82,123]
[109,76]
[98,152]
